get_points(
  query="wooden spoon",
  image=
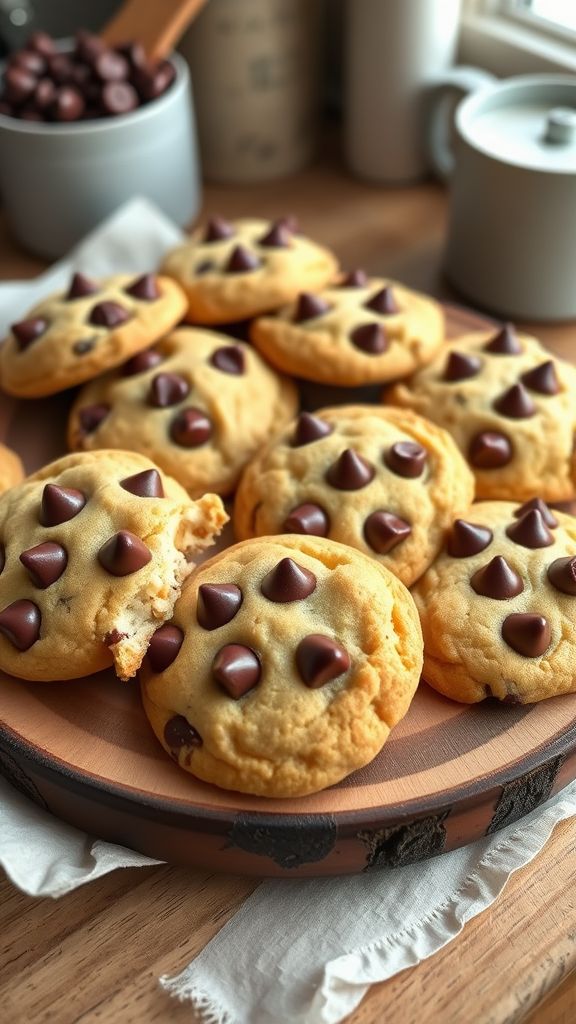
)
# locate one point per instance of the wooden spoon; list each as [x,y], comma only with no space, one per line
[157,24]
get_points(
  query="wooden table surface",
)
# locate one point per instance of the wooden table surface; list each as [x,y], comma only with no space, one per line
[95,955]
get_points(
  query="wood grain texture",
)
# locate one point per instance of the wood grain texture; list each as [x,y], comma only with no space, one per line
[95,955]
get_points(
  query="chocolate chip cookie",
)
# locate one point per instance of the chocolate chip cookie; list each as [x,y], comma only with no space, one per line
[382,480]
[359,331]
[285,666]
[197,404]
[94,549]
[73,336]
[232,271]
[511,408]
[11,469]
[498,607]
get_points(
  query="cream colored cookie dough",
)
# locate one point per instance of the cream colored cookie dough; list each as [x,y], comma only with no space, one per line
[232,271]
[198,404]
[511,413]
[285,666]
[68,339]
[345,340]
[94,549]
[11,469]
[498,606]
[384,481]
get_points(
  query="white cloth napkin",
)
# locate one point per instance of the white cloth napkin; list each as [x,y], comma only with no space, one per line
[297,951]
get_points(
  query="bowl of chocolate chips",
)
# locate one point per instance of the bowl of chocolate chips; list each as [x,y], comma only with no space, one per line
[84,127]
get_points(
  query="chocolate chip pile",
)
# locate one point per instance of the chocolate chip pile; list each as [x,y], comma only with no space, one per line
[45,83]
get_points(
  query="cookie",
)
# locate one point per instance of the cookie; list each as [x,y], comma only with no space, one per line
[498,607]
[511,408]
[361,331]
[285,666]
[11,469]
[75,335]
[93,552]
[382,480]
[232,271]
[197,404]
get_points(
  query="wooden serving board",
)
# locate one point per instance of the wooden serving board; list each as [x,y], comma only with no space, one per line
[449,774]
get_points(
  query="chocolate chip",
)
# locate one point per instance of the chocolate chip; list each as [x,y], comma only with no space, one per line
[60,504]
[144,288]
[278,237]
[218,229]
[355,279]
[113,637]
[490,450]
[19,84]
[369,338]
[383,531]
[119,98]
[320,659]
[27,331]
[29,114]
[568,507]
[152,82]
[307,519]
[135,54]
[383,302]
[20,623]
[141,362]
[497,580]
[68,104]
[109,314]
[2,557]
[309,307]
[530,531]
[80,286]
[466,539]
[164,646]
[241,261]
[124,554]
[527,634]
[350,472]
[515,403]
[60,68]
[80,348]
[147,484]
[406,458]
[44,94]
[88,46]
[229,359]
[6,109]
[191,428]
[42,43]
[542,379]
[91,416]
[505,343]
[288,581]
[167,389]
[29,61]
[179,733]
[111,66]
[45,563]
[217,604]
[461,366]
[309,428]
[537,503]
[562,575]
[237,669]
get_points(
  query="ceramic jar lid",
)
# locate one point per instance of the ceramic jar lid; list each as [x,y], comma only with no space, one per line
[526,122]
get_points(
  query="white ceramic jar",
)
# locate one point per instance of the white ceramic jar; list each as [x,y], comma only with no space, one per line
[511,245]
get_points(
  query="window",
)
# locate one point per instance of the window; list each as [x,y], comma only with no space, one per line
[515,37]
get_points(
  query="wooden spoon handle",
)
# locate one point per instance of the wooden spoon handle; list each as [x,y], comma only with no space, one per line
[157,24]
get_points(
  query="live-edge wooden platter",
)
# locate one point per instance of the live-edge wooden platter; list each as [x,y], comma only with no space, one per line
[449,774]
